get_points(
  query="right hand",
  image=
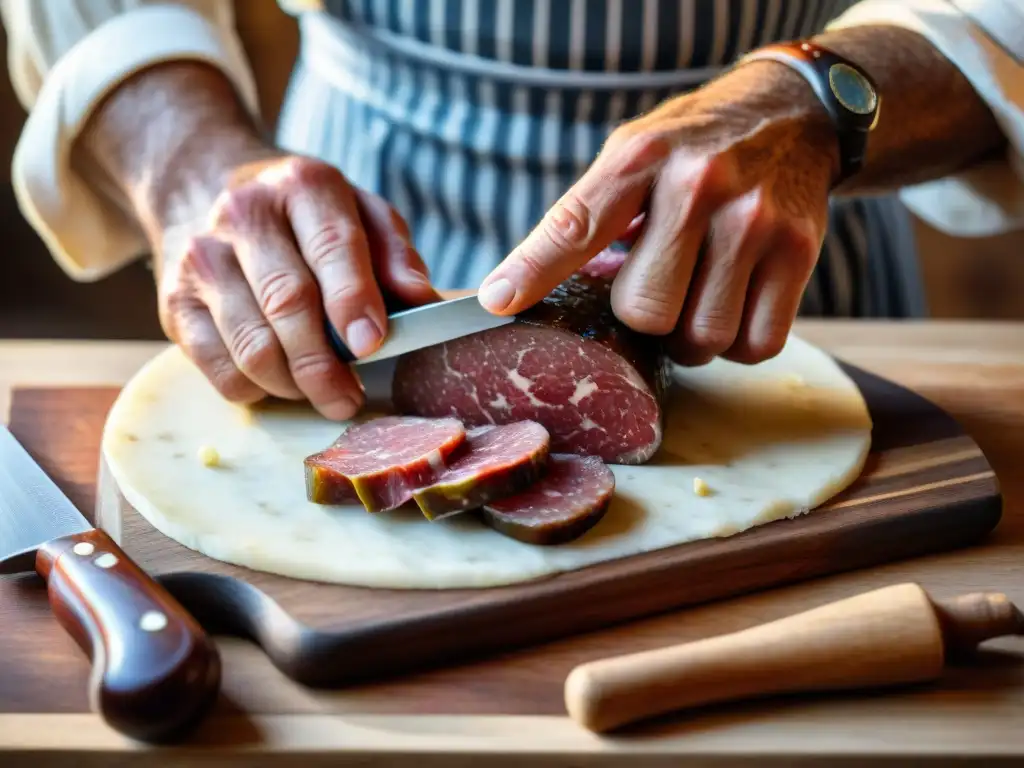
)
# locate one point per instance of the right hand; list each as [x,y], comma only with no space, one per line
[288,242]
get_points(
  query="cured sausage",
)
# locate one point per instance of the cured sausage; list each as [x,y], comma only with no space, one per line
[569,500]
[496,461]
[381,462]
[567,363]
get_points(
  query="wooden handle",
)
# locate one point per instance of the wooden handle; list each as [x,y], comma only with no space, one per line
[155,671]
[883,637]
[971,619]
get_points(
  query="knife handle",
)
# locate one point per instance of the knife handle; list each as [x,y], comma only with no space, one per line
[155,671]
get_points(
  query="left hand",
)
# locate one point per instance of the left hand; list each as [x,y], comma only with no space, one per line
[733,182]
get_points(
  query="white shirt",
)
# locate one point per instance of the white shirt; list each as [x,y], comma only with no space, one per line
[65,56]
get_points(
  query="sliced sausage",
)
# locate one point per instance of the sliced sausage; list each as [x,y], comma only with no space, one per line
[565,503]
[381,462]
[495,461]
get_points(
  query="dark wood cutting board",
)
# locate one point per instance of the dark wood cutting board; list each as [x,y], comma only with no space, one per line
[926,488]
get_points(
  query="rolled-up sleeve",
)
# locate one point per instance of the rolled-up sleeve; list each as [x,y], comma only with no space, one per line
[984,39]
[64,56]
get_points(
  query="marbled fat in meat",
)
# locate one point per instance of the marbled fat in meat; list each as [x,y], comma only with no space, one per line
[381,462]
[567,363]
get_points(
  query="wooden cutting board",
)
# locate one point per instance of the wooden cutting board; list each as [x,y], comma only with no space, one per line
[926,488]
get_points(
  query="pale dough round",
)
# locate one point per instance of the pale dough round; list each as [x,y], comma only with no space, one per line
[769,441]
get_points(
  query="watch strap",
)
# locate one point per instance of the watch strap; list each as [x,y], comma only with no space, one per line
[821,67]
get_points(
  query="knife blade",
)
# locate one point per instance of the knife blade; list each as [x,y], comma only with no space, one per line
[424,326]
[155,672]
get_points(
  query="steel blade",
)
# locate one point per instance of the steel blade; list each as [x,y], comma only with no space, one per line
[33,510]
[426,326]
[434,324]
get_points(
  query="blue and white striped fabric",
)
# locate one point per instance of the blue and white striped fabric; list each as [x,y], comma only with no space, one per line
[473,116]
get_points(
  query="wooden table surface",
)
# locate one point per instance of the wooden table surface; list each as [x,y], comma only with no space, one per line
[974,371]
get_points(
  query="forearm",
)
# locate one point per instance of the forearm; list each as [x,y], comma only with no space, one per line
[931,122]
[167,138]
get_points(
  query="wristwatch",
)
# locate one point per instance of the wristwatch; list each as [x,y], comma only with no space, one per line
[847,92]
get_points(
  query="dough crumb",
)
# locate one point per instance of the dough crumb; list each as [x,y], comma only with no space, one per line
[209,456]
[700,487]
[794,380]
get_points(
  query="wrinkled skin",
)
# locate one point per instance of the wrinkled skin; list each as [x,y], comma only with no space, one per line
[732,183]
[289,243]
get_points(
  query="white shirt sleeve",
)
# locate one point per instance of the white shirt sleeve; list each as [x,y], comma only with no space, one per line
[64,57]
[984,39]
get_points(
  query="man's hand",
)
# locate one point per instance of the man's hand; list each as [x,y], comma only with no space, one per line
[287,243]
[254,249]
[733,182]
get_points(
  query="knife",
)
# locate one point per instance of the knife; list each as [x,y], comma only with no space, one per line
[155,672]
[424,326]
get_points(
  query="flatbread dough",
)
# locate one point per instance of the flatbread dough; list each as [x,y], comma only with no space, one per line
[769,441]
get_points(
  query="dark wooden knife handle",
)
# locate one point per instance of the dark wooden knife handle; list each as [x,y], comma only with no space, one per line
[155,671]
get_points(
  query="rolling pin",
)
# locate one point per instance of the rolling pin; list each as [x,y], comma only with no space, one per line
[890,636]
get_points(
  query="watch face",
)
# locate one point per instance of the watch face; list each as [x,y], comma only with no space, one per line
[852,89]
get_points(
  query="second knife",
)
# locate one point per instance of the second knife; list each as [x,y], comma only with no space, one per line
[155,671]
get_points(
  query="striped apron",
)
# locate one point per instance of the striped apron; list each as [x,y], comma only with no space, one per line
[472,117]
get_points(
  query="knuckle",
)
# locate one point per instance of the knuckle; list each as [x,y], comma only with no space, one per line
[766,344]
[568,225]
[685,173]
[286,293]
[351,292]
[638,148]
[647,148]
[195,246]
[647,311]
[703,178]
[620,135]
[742,228]
[252,344]
[801,243]
[203,253]
[220,217]
[329,241]
[712,330]
[307,172]
[232,383]
[203,352]
[240,208]
[313,366]
[174,303]
[757,215]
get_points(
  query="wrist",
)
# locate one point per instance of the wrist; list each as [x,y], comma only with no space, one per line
[168,138]
[182,185]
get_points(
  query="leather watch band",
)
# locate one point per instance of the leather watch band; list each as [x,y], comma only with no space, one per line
[844,89]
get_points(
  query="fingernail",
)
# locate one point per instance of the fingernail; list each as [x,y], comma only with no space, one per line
[497,295]
[362,336]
